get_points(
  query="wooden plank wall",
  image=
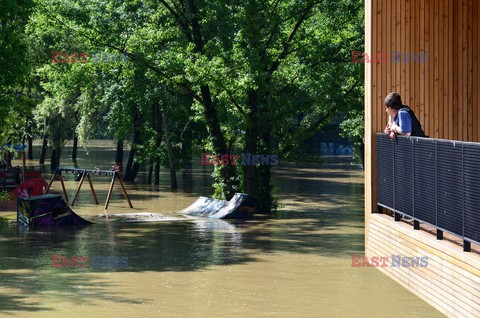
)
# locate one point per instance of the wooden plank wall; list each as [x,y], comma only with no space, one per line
[451,280]
[444,91]
[445,94]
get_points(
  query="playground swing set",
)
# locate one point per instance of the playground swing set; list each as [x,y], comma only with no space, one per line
[35,207]
[86,173]
[51,210]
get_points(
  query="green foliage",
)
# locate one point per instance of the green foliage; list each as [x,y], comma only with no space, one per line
[4,196]
[14,66]
[354,128]
[260,76]
[219,183]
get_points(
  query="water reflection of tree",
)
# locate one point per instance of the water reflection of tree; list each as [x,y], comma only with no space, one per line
[180,246]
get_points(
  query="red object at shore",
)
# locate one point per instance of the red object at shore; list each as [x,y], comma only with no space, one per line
[31,187]
[30,174]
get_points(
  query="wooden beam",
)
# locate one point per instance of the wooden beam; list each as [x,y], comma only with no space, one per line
[57,172]
[78,189]
[51,181]
[91,188]
[110,192]
[370,205]
[63,187]
[117,174]
[23,166]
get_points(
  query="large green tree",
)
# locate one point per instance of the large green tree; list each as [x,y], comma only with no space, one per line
[263,75]
[15,103]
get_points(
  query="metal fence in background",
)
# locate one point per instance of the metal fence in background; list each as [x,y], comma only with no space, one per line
[432,181]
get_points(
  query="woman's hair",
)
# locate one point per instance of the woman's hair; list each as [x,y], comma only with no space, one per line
[393,100]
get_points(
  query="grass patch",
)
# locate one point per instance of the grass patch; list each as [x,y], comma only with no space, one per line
[4,196]
[7,220]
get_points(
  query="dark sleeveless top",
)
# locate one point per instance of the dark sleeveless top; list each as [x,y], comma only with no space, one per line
[416,126]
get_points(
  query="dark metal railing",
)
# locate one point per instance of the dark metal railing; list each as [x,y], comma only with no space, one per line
[432,181]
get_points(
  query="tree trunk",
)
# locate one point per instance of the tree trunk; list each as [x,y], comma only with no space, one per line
[134,171]
[74,150]
[43,152]
[250,175]
[151,161]
[150,171]
[228,173]
[8,158]
[56,150]
[30,141]
[128,168]
[170,154]
[55,162]
[157,121]
[132,167]
[30,148]
[264,186]
[258,179]
[187,148]
[119,153]
[156,179]
[187,178]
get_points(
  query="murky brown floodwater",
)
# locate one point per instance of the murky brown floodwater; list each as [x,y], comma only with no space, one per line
[294,264]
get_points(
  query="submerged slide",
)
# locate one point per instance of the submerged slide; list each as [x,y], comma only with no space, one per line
[47,210]
[241,206]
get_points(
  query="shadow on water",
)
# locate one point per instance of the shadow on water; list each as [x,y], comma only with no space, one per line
[333,230]
[167,246]
[15,303]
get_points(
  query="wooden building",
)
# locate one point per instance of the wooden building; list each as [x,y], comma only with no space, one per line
[443,89]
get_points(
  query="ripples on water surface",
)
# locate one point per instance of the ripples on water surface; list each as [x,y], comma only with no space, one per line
[293,264]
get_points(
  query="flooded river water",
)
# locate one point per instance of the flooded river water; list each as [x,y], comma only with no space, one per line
[296,263]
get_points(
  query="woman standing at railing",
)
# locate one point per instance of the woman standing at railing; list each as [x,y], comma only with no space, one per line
[401,119]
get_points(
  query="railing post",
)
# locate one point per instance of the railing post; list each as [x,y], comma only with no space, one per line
[413,178]
[398,216]
[394,140]
[466,245]
[416,225]
[439,234]
[438,179]
[436,185]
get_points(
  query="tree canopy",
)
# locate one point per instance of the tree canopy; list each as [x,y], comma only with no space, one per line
[248,76]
